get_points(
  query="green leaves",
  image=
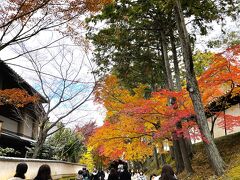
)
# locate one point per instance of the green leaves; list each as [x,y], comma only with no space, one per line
[202,62]
[68,145]
[128,45]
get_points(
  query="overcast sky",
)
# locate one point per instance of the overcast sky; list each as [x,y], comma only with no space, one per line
[90,111]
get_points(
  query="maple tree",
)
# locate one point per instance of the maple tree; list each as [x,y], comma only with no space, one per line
[138,36]
[174,12]
[223,74]
[121,140]
[132,120]
[86,130]
[124,106]
[16,97]
[112,138]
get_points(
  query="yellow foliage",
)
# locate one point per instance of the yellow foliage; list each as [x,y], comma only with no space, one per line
[123,134]
[87,159]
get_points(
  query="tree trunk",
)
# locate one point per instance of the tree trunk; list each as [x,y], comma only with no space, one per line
[188,142]
[177,150]
[175,62]
[166,60]
[162,64]
[177,155]
[163,159]
[39,144]
[185,155]
[182,150]
[156,157]
[192,86]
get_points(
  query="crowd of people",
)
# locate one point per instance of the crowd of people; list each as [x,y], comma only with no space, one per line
[44,172]
[122,173]
[95,175]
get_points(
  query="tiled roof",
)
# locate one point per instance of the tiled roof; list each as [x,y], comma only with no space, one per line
[25,85]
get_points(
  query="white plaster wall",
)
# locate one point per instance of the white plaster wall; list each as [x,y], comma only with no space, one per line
[58,168]
[9,124]
[219,132]
[235,111]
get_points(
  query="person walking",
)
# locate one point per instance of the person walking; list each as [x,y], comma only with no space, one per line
[152,177]
[136,175]
[86,175]
[141,176]
[95,175]
[113,175]
[44,173]
[167,173]
[101,175]
[79,175]
[21,169]
[124,174]
[106,174]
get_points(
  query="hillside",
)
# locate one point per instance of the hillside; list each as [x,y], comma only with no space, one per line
[229,147]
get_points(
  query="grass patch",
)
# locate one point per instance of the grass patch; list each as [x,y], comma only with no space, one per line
[151,165]
[229,148]
[234,173]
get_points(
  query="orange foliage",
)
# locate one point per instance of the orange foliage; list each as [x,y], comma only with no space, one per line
[22,10]
[121,135]
[94,5]
[33,16]
[120,140]
[135,124]
[16,97]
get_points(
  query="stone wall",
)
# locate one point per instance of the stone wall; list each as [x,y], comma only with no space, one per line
[58,168]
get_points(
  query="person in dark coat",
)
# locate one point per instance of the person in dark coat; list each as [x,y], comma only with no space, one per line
[86,175]
[113,175]
[101,175]
[44,173]
[125,175]
[21,169]
[95,175]
[167,173]
[79,175]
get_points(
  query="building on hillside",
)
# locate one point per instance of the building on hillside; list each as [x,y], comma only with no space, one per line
[17,132]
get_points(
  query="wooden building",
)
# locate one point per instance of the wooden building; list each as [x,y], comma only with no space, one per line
[17,132]
[228,104]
